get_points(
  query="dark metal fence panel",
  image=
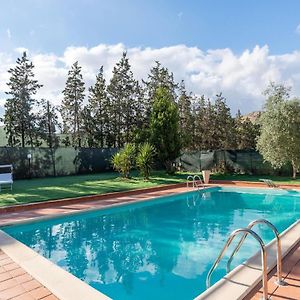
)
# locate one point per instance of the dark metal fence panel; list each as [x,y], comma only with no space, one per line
[61,161]
[231,161]
[68,161]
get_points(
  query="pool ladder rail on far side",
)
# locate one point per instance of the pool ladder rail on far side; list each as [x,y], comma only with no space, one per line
[195,180]
[246,231]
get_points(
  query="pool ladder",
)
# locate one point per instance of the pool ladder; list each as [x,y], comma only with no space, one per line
[246,231]
[193,180]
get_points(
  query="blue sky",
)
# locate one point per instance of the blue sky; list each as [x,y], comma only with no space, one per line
[52,25]
[232,46]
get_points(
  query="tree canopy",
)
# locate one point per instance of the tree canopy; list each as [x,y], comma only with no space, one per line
[279,141]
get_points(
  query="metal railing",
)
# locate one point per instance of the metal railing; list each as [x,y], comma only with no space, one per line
[263,258]
[193,180]
[279,253]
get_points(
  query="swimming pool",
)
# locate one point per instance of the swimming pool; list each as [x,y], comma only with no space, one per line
[158,249]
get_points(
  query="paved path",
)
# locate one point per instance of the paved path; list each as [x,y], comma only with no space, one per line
[16,284]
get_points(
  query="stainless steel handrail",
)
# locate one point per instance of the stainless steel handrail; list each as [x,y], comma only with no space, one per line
[188,181]
[263,258]
[194,180]
[279,253]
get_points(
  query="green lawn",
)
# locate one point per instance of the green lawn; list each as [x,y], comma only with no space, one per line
[43,189]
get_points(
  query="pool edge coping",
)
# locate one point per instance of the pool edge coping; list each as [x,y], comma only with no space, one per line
[238,283]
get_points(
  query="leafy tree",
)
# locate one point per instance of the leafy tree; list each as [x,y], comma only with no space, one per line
[185,117]
[19,119]
[123,94]
[66,141]
[71,108]
[279,142]
[164,127]
[144,159]
[123,160]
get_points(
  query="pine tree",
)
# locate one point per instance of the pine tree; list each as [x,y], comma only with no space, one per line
[19,119]
[96,121]
[47,125]
[210,139]
[224,126]
[199,116]
[71,108]
[185,117]
[123,95]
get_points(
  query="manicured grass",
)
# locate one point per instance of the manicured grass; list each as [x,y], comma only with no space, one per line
[43,189]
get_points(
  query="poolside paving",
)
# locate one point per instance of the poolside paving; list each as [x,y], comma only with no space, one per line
[291,276]
[17,284]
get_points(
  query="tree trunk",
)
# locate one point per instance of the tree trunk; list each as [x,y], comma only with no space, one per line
[294,170]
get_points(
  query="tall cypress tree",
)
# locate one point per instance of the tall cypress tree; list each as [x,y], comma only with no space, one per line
[71,108]
[159,76]
[164,127]
[19,119]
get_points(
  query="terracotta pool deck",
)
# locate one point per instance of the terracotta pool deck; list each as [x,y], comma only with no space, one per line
[291,276]
[16,283]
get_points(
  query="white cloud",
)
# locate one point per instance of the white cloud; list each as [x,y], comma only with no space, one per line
[21,50]
[298,29]
[241,77]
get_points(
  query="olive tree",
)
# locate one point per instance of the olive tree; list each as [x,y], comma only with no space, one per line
[279,141]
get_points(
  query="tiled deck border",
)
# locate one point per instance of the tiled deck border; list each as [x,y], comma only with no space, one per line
[16,284]
[66,206]
[291,276]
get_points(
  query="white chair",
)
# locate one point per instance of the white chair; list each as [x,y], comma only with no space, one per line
[6,178]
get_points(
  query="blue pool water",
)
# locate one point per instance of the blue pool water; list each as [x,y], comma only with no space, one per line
[160,249]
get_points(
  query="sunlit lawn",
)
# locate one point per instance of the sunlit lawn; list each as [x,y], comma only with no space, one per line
[43,189]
